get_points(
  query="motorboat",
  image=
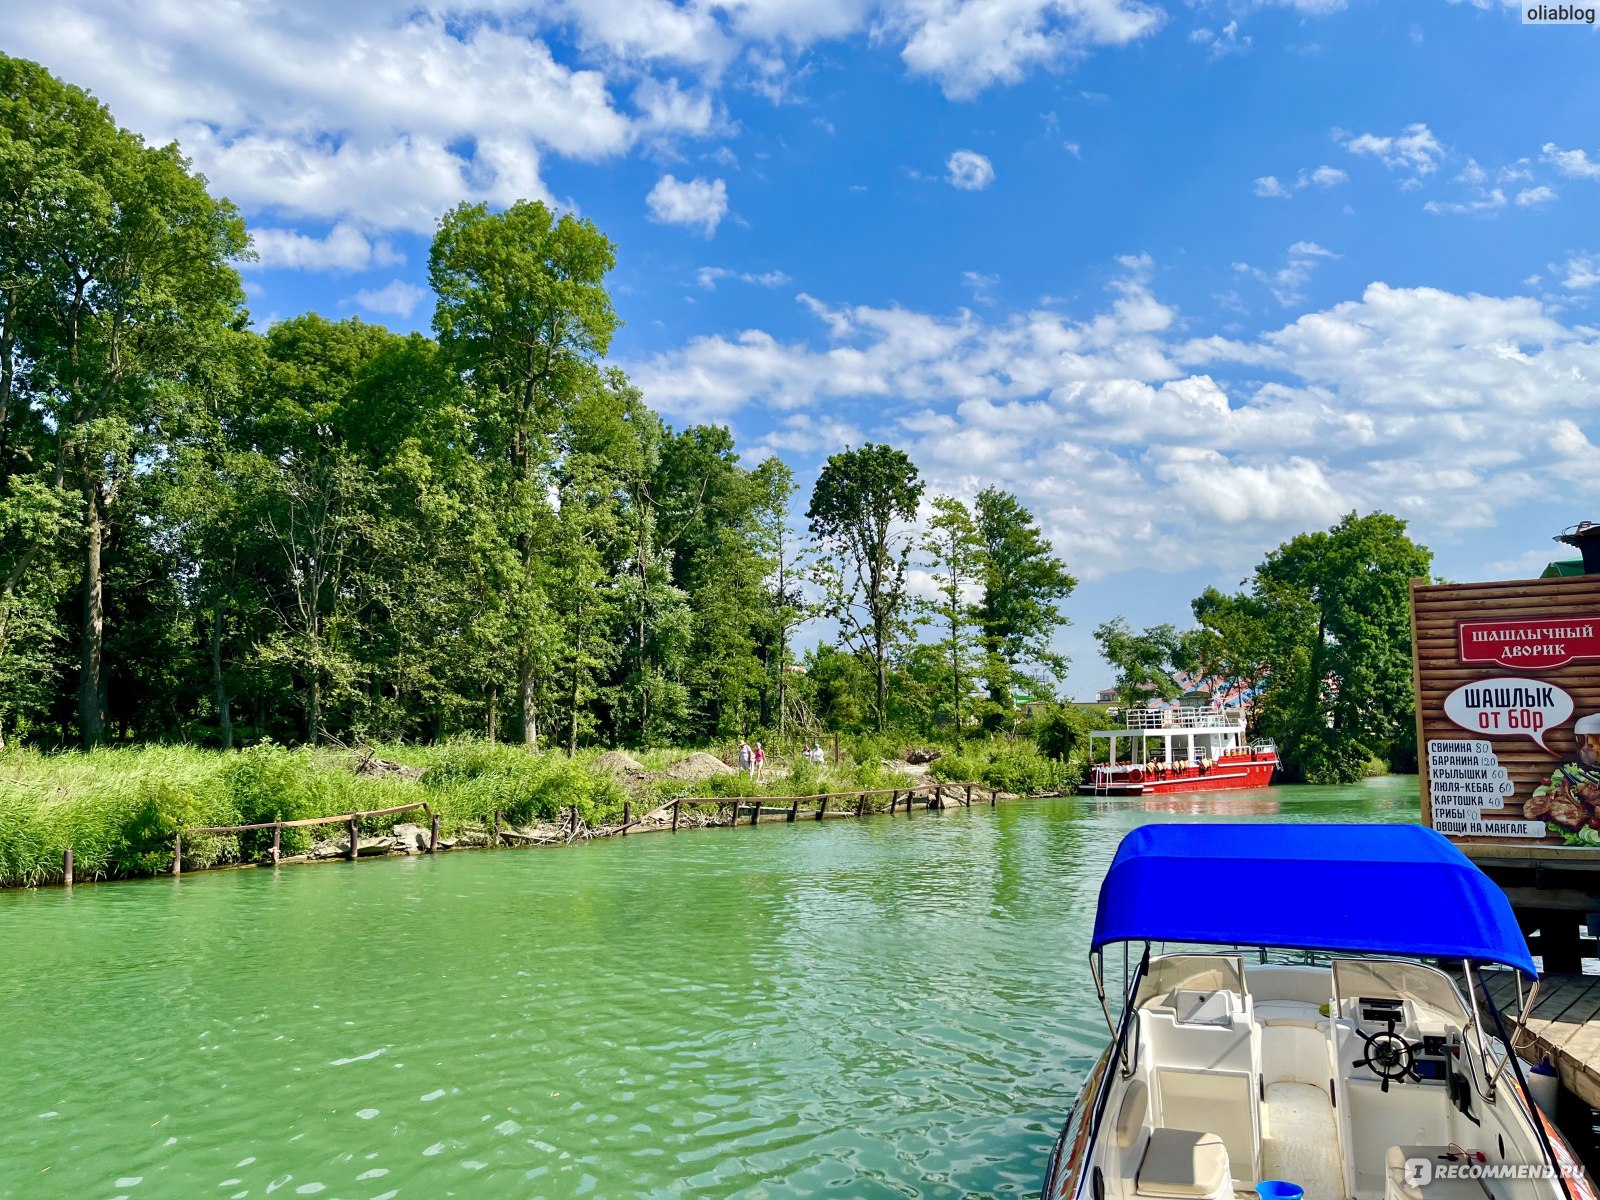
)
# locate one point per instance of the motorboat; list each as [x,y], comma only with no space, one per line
[1161,751]
[1302,1011]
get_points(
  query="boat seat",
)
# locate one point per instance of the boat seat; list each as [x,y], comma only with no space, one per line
[1184,1163]
[1398,1187]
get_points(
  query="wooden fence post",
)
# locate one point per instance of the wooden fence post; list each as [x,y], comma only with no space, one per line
[994,797]
[494,828]
[755,811]
[627,816]
[822,809]
[277,842]
[861,805]
[836,749]
[894,799]
[66,867]
[677,806]
[177,853]
[355,839]
[969,795]
[794,810]
[433,834]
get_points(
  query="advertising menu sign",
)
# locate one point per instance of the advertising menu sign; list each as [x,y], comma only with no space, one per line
[1508,710]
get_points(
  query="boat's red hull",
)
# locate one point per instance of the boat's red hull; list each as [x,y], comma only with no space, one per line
[1230,773]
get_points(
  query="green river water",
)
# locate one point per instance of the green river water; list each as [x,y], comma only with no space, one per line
[881,1008]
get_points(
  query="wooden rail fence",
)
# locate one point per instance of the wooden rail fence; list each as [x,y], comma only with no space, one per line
[931,795]
[760,806]
[352,820]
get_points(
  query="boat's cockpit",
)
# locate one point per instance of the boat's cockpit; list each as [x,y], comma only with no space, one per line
[1363,1080]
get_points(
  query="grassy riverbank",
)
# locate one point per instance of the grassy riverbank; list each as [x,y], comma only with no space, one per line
[119,808]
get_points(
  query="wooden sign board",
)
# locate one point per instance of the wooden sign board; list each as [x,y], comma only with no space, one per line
[1507,679]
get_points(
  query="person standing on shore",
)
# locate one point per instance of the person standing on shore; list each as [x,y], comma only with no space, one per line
[747,760]
[761,761]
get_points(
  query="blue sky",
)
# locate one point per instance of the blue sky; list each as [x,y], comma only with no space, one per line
[1190,278]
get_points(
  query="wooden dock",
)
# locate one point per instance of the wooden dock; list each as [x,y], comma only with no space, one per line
[1564,1026]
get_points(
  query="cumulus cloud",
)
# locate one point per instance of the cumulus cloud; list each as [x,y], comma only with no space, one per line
[1136,442]
[698,201]
[1574,164]
[970,46]
[1271,187]
[709,277]
[1535,196]
[344,248]
[969,171]
[1414,150]
[396,298]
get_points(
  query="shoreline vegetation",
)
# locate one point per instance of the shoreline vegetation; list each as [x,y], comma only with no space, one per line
[119,809]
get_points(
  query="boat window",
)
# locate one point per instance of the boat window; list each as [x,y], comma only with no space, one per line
[1387,978]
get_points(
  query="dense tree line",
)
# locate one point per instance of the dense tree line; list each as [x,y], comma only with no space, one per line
[1321,637]
[327,529]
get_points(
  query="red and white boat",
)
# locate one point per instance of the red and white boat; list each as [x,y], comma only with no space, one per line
[1159,751]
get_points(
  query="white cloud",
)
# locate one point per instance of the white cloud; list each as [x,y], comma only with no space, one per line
[696,201]
[1575,164]
[969,45]
[396,298]
[709,277]
[1486,201]
[969,171]
[1323,177]
[1535,196]
[1414,150]
[344,248]
[1288,282]
[1220,43]
[1582,271]
[982,286]
[1138,444]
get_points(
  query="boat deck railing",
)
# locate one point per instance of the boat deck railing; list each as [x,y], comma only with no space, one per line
[1180,718]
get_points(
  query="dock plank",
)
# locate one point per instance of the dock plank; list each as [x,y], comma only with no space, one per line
[1564,1026]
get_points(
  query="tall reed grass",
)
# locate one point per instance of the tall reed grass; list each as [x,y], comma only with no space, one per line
[118,809]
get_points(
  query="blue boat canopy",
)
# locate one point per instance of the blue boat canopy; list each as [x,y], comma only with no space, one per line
[1371,889]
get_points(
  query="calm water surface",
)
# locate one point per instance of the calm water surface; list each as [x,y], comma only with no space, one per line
[894,1007]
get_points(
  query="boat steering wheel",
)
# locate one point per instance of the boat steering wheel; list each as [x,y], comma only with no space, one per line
[1388,1056]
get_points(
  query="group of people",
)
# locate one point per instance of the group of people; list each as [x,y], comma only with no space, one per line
[752,762]
[753,759]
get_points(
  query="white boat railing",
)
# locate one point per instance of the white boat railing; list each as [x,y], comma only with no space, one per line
[1180,718]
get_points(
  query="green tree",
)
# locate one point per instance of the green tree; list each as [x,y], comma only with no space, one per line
[955,553]
[1144,661]
[1024,584]
[139,270]
[860,509]
[524,313]
[1337,610]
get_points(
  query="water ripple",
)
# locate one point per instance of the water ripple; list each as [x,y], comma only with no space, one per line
[874,1009]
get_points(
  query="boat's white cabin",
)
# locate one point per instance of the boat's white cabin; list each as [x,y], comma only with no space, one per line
[1240,1075]
[1169,735]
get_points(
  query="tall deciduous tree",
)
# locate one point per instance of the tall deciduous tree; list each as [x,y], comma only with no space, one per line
[140,274]
[1024,584]
[860,514]
[523,310]
[1337,610]
[956,558]
[1144,661]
